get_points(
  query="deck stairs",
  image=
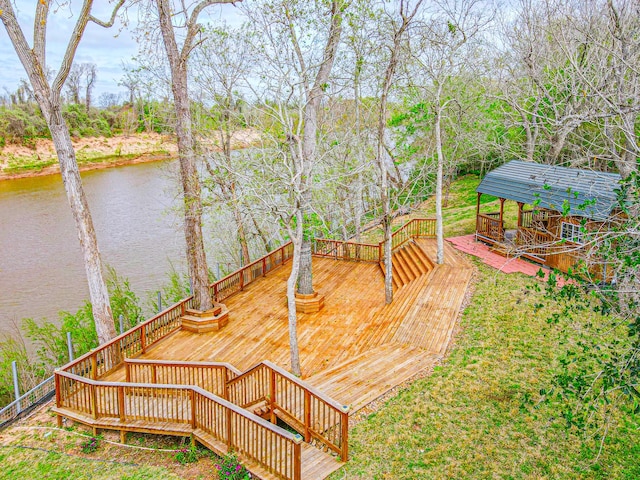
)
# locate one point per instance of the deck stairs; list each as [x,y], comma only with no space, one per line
[409,263]
[249,390]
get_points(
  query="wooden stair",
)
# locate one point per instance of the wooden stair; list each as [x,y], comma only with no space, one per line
[409,263]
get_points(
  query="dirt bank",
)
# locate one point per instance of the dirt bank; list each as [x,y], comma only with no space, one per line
[18,161]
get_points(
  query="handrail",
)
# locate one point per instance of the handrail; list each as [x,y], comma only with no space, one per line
[320,416]
[181,363]
[417,227]
[222,428]
[236,281]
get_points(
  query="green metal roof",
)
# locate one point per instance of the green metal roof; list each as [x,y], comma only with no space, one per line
[589,193]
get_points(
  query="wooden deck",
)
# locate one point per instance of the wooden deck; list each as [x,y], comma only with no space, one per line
[356,348]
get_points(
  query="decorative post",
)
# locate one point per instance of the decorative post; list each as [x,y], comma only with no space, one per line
[478,213]
[70,346]
[16,386]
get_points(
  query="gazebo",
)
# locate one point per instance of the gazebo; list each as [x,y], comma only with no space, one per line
[557,208]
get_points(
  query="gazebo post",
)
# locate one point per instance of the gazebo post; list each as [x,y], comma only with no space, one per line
[501,216]
[520,205]
[478,212]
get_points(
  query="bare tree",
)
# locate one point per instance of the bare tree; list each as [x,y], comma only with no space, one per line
[171,18]
[221,64]
[438,51]
[90,72]
[297,74]
[405,15]
[49,99]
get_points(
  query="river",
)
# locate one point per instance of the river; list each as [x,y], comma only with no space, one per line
[41,268]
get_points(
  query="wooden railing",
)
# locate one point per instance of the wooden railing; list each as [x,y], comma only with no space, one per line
[533,242]
[368,252]
[167,405]
[339,250]
[490,227]
[237,280]
[135,341]
[211,376]
[321,419]
[318,417]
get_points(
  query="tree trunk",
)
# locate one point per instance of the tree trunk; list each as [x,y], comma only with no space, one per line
[439,219]
[291,297]
[98,293]
[196,257]
[310,129]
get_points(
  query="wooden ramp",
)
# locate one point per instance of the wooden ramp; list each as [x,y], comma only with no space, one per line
[362,379]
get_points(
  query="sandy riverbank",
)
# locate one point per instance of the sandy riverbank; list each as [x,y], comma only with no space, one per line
[18,161]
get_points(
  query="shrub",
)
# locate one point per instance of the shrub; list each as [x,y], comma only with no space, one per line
[230,468]
[188,455]
[90,445]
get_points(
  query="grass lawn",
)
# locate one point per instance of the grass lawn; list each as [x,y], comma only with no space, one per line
[471,418]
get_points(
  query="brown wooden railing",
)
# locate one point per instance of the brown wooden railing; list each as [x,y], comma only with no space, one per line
[339,250]
[533,242]
[321,419]
[135,341]
[490,227]
[237,280]
[318,417]
[170,406]
[368,252]
[211,376]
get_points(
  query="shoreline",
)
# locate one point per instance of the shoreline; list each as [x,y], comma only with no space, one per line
[96,153]
[84,167]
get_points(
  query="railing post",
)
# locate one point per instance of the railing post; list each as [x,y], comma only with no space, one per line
[229,430]
[94,367]
[70,346]
[264,266]
[143,338]
[344,445]
[272,397]
[307,416]
[16,387]
[56,379]
[241,279]
[153,374]
[215,291]
[121,402]
[193,408]
[297,461]
[94,401]
[127,372]
[282,255]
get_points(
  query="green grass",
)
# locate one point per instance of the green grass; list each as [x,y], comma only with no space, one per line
[29,463]
[473,418]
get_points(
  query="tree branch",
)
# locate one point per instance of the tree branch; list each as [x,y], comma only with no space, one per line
[112,20]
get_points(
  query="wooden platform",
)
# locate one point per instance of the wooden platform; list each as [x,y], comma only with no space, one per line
[354,350]
[354,322]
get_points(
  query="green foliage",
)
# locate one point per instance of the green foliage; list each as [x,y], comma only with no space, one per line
[600,371]
[189,454]
[50,339]
[90,445]
[229,468]
[12,348]
[177,288]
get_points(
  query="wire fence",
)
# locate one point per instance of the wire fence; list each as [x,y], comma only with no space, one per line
[24,404]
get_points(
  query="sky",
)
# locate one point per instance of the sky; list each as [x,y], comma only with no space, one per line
[109,49]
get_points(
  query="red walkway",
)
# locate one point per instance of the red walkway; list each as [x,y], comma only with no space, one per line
[467,244]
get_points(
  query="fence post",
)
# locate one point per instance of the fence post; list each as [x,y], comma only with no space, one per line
[16,387]
[121,319]
[159,301]
[70,346]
